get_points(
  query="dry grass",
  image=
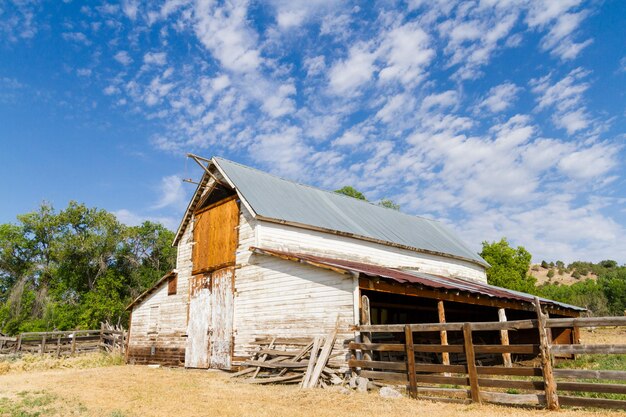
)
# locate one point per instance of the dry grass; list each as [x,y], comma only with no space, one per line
[141,391]
[27,363]
[603,336]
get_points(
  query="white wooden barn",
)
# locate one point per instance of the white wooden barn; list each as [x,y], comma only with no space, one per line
[260,256]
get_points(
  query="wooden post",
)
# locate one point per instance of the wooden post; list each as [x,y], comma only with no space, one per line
[73,350]
[101,336]
[504,339]
[410,360]
[18,345]
[471,362]
[43,345]
[366,337]
[58,346]
[445,356]
[552,400]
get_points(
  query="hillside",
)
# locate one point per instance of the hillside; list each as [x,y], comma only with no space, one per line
[560,275]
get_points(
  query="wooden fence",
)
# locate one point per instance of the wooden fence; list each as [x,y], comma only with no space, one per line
[533,382]
[65,343]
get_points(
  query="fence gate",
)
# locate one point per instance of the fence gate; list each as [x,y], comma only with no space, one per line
[198,338]
[222,318]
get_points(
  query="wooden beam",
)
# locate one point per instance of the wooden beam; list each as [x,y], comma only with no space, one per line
[552,400]
[504,339]
[410,361]
[445,356]
[471,362]
[366,337]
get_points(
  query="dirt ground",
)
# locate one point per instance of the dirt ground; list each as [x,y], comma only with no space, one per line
[124,391]
[129,391]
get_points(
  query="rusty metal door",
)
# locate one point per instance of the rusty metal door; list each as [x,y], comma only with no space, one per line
[222,318]
[198,331]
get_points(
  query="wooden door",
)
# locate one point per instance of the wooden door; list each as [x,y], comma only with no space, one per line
[222,318]
[198,331]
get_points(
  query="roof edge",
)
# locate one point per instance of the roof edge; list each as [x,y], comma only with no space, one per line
[154,286]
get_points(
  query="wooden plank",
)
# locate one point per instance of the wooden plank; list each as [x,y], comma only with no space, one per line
[436,327]
[401,366]
[586,322]
[511,383]
[552,399]
[299,356]
[311,364]
[410,361]
[383,347]
[279,365]
[446,380]
[504,339]
[448,392]
[526,349]
[384,376]
[592,402]
[593,387]
[499,370]
[589,374]
[446,400]
[513,399]
[589,349]
[471,362]
[443,335]
[323,358]
[271,380]
[262,359]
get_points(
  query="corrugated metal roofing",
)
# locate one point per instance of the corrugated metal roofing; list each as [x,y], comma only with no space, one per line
[414,277]
[275,198]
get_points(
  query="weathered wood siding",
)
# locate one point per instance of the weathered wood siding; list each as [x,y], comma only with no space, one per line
[215,236]
[157,328]
[281,298]
[293,239]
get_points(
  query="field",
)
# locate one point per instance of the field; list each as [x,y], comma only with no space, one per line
[115,391]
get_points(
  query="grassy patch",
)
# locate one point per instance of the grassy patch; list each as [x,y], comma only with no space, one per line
[28,404]
[596,362]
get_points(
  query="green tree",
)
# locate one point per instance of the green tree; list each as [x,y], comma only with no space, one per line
[509,266]
[387,203]
[351,192]
[76,267]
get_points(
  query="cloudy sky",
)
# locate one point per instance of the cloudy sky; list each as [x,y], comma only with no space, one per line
[500,118]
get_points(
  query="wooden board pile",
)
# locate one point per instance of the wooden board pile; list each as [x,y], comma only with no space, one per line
[293,361]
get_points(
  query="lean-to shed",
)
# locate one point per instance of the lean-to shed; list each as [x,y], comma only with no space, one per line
[262,256]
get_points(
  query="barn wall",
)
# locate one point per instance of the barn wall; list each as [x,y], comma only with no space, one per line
[159,322]
[281,298]
[293,239]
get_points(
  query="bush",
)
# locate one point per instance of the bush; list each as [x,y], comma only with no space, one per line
[544,265]
[551,273]
[576,275]
[560,271]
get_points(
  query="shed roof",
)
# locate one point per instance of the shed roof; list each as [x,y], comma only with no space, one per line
[278,200]
[414,277]
[153,288]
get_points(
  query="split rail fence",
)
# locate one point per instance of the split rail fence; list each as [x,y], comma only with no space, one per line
[65,343]
[466,380]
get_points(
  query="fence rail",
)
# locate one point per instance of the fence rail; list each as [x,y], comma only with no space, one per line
[405,360]
[65,343]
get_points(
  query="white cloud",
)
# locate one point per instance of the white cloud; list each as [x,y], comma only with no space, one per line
[445,99]
[283,152]
[357,69]
[155,58]
[130,8]
[172,193]
[123,58]
[591,162]
[224,31]
[131,218]
[499,98]
[77,37]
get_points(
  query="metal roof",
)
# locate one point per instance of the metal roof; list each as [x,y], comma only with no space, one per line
[413,277]
[276,199]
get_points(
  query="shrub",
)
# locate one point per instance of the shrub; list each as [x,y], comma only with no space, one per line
[551,273]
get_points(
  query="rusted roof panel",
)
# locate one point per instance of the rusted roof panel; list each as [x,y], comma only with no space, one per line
[412,277]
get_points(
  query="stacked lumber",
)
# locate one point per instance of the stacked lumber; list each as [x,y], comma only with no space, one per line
[302,361]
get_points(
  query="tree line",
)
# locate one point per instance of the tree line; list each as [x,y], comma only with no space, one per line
[605,295]
[73,268]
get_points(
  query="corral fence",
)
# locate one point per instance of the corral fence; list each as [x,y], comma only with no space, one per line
[66,343]
[463,378]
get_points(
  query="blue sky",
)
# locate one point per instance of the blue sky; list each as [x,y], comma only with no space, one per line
[500,118]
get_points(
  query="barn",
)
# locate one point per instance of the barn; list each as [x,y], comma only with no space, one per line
[261,256]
